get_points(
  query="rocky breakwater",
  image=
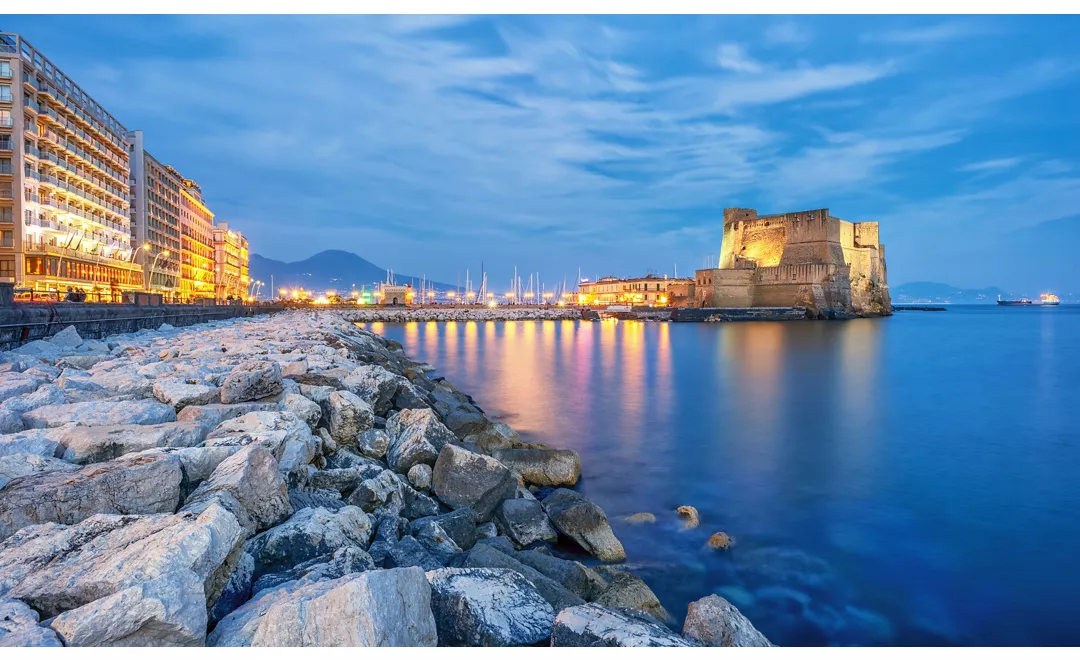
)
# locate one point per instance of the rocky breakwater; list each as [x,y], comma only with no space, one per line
[437,313]
[294,481]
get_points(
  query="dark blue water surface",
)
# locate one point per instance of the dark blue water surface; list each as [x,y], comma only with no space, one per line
[910,480]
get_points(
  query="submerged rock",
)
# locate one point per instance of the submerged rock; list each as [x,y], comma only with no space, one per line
[689,516]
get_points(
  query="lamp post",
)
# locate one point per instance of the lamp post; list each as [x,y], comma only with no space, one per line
[153,266]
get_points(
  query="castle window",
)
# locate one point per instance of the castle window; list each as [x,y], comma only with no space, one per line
[735,226]
[766,223]
[811,216]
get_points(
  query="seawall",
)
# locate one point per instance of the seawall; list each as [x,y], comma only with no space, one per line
[502,313]
[24,322]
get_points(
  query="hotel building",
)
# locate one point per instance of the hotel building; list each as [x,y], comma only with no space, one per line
[64,182]
[197,269]
[230,263]
[155,219]
[650,290]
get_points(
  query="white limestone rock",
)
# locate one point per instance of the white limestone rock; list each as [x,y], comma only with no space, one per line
[94,444]
[420,476]
[138,484]
[54,568]
[251,380]
[41,442]
[488,607]
[283,433]
[169,610]
[180,394]
[248,484]
[375,608]
[373,443]
[302,407]
[13,466]
[308,534]
[462,478]
[542,467]
[99,413]
[416,436]
[347,415]
[19,626]
[375,385]
[68,338]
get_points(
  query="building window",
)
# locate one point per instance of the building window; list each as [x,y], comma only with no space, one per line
[7,268]
[7,238]
[5,70]
[5,93]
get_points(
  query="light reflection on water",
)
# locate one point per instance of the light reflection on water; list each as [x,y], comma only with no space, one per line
[899,481]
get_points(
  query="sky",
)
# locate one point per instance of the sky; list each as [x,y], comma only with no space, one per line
[610,144]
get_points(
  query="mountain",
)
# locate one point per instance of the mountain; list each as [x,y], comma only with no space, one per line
[332,269]
[935,292]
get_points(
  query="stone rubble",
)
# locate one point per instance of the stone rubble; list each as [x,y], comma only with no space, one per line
[295,480]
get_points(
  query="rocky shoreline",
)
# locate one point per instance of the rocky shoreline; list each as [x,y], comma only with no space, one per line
[447,313]
[295,481]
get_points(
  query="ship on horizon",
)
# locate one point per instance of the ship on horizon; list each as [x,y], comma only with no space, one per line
[1045,300]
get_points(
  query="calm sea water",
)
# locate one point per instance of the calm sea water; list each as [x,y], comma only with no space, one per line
[910,480]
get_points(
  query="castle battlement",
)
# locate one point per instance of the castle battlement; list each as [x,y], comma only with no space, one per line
[802,258]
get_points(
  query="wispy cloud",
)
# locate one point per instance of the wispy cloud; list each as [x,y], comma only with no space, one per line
[993,165]
[787,32]
[733,57]
[927,34]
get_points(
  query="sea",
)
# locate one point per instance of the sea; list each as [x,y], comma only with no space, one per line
[911,480]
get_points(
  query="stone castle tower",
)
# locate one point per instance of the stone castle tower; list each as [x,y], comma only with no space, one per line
[802,259]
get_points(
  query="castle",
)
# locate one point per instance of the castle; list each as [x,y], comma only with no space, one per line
[806,259]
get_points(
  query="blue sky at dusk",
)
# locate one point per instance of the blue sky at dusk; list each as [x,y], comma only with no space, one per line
[612,144]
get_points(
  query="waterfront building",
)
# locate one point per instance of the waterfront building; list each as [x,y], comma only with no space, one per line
[64,182]
[230,263]
[801,259]
[155,219]
[651,290]
[197,271]
[395,294]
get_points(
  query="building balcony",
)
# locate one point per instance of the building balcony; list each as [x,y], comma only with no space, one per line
[6,98]
[30,104]
[6,122]
[5,145]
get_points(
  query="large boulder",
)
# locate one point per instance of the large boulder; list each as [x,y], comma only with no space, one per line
[347,415]
[41,442]
[460,525]
[14,466]
[94,444]
[19,626]
[283,433]
[416,437]
[375,608]
[713,621]
[487,607]
[308,534]
[376,491]
[629,591]
[302,407]
[462,478]
[349,559]
[180,394]
[485,555]
[373,443]
[167,611]
[542,467]
[375,385]
[54,568]
[596,625]
[252,380]
[573,575]
[248,484]
[525,522]
[123,382]
[585,523]
[213,414]
[99,413]
[141,483]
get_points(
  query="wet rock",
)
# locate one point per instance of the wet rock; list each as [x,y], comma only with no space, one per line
[376,608]
[462,478]
[249,485]
[689,516]
[19,626]
[460,525]
[94,444]
[486,556]
[596,625]
[303,407]
[350,559]
[308,534]
[420,476]
[585,523]
[167,611]
[629,591]
[524,522]
[409,552]
[713,621]
[572,575]
[542,467]
[251,380]
[180,394]
[347,415]
[54,568]
[131,484]
[640,519]
[372,493]
[99,413]
[487,607]
[373,443]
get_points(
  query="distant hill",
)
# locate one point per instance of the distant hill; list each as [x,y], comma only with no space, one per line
[332,269]
[935,292]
